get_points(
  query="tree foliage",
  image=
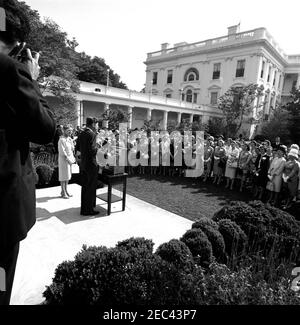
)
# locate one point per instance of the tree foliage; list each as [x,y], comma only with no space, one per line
[237,104]
[61,66]
[293,107]
[278,125]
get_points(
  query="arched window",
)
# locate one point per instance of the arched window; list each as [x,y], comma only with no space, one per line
[189,96]
[191,74]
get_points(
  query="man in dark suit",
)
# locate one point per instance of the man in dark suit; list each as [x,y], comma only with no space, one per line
[88,148]
[24,118]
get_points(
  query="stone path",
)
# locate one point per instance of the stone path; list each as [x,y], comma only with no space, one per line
[60,232]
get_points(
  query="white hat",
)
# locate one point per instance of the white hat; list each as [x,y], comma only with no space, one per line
[294,153]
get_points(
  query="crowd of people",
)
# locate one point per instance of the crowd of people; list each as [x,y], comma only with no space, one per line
[267,171]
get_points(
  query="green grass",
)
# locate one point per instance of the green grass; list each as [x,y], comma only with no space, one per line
[186,197]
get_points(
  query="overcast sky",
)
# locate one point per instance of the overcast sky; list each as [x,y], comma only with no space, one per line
[124,31]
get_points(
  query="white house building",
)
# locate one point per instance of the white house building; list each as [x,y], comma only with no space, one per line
[201,72]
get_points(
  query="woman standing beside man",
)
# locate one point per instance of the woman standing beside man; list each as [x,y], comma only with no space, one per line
[65,160]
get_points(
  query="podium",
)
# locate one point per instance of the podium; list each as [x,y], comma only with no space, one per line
[110,180]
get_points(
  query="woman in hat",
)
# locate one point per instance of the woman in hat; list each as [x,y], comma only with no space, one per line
[290,176]
[275,174]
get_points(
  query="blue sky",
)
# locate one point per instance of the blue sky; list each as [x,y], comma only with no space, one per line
[124,31]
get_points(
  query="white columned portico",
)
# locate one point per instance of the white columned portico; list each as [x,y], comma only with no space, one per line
[268,104]
[205,119]
[298,81]
[149,114]
[191,118]
[178,118]
[105,122]
[165,120]
[130,108]
[78,112]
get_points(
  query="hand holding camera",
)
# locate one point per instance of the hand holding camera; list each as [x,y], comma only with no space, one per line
[30,59]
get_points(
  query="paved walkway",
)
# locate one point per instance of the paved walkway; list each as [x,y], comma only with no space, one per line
[60,232]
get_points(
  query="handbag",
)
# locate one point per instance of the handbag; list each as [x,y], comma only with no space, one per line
[232,164]
[270,186]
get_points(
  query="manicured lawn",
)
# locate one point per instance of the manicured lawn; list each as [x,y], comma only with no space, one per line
[186,197]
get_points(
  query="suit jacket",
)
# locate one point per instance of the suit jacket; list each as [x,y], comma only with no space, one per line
[24,118]
[87,146]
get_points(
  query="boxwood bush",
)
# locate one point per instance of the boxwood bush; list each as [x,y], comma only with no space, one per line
[210,228]
[111,277]
[234,237]
[270,231]
[177,253]
[199,245]
[101,276]
[44,173]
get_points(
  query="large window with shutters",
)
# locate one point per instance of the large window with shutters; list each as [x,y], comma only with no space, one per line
[214,98]
[217,71]
[154,78]
[240,69]
[170,77]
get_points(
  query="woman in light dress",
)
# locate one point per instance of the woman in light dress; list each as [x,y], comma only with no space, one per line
[275,174]
[231,165]
[65,160]
[290,176]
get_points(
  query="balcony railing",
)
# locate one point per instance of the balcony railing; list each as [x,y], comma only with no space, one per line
[244,37]
[101,90]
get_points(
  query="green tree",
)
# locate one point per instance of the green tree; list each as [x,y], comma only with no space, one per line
[237,104]
[293,107]
[114,118]
[278,125]
[61,66]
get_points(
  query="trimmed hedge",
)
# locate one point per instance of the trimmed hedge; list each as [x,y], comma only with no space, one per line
[210,228]
[199,245]
[44,173]
[177,253]
[234,237]
[270,231]
[111,277]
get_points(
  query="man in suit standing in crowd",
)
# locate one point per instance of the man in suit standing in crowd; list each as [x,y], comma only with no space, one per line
[24,117]
[88,148]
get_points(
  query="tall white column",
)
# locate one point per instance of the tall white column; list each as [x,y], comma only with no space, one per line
[178,118]
[130,116]
[105,122]
[205,119]
[149,114]
[78,113]
[191,118]
[165,120]
[298,81]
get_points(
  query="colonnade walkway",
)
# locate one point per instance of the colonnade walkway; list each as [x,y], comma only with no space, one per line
[60,232]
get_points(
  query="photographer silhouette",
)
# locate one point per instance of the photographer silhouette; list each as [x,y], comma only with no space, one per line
[24,117]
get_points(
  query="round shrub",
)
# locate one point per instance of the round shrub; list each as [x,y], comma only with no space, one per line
[210,228]
[202,222]
[44,172]
[199,245]
[234,237]
[176,252]
[137,247]
[101,276]
[253,222]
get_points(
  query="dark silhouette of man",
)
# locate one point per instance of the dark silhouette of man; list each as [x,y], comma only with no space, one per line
[88,148]
[24,118]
